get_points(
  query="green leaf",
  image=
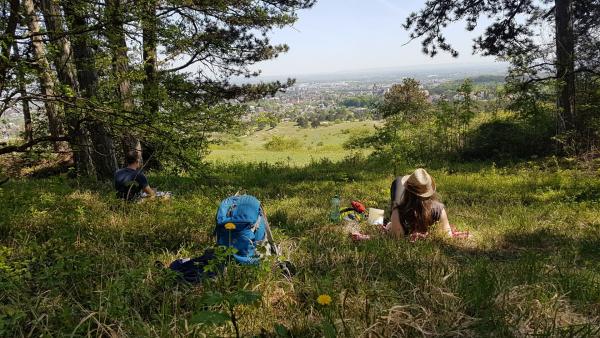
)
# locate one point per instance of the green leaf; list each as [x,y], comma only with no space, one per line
[210,318]
[329,330]
[212,298]
[281,331]
[244,297]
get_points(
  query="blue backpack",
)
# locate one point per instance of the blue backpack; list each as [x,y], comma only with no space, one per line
[241,223]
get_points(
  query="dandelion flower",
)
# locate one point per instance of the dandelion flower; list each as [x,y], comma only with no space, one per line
[324,299]
[230,226]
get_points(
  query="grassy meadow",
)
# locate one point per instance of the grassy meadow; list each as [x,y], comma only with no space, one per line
[300,145]
[74,261]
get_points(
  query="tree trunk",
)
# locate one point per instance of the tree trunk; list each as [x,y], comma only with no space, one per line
[28,124]
[81,144]
[105,159]
[565,66]
[67,75]
[24,100]
[151,102]
[120,63]
[103,152]
[6,41]
[151,95]
[45,75]
[63,62]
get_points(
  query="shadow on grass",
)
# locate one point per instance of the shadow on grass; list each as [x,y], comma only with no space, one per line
[542,241]
[542,256]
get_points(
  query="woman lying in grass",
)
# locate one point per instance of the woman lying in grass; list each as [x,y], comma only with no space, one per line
[416,208]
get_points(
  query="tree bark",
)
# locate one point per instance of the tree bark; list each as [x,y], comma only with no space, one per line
[565,66]
[63,62]
[149,35]
[151,97]
[45,76]
[28,124]
[103,151]
[120,63]
[24,101]
[67,75]
[7,39]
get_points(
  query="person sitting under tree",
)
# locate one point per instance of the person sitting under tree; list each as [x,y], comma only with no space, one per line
[130,182]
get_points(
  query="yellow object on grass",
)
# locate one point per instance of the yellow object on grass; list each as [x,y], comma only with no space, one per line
[324,299]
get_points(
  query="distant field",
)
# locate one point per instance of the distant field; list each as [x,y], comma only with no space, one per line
[312,143]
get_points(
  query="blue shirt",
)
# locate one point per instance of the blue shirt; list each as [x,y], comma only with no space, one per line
[129,183]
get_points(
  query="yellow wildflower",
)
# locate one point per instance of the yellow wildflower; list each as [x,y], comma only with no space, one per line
[230,226]
[324,299]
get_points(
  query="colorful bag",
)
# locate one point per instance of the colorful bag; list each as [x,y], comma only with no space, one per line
[241,223]
[356,212]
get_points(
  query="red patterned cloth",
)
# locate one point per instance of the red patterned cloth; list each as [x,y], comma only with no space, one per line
[359,207]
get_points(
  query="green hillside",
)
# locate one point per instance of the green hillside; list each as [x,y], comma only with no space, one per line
[308,143]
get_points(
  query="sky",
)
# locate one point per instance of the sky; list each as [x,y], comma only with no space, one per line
[355,35]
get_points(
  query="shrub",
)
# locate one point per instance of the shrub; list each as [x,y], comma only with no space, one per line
[508,139]
[280,143]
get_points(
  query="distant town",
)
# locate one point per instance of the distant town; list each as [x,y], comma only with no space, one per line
[333,97]
[11,124]
[357,99]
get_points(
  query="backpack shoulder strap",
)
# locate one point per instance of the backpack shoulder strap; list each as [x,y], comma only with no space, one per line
[269,234]
[257,223]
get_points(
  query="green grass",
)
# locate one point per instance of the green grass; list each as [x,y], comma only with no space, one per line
[74,261]
[314,144]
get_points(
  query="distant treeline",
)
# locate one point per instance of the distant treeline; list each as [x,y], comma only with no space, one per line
[361,101]
[488,83]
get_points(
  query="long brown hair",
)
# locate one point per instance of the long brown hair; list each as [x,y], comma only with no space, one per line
[416,213]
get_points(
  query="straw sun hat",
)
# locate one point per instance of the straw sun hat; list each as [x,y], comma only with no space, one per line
[419,183]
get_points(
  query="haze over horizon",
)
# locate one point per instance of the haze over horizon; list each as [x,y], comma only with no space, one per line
[487,67]
[357,35]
